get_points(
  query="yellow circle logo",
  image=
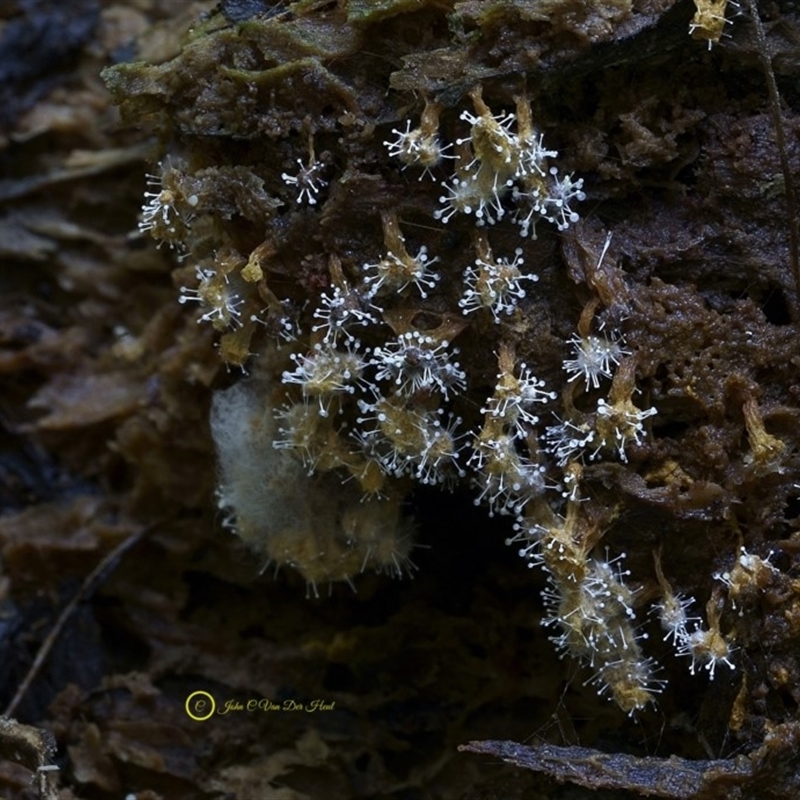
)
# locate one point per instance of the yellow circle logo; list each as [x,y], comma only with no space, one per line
[200,706]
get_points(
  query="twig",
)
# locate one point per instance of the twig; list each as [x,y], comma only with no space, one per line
[90,584]
[780,137]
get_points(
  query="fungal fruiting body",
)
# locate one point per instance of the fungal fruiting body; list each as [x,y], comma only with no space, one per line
[368,380]
[313,523]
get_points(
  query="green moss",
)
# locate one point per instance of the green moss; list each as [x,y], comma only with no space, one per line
[370,11]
